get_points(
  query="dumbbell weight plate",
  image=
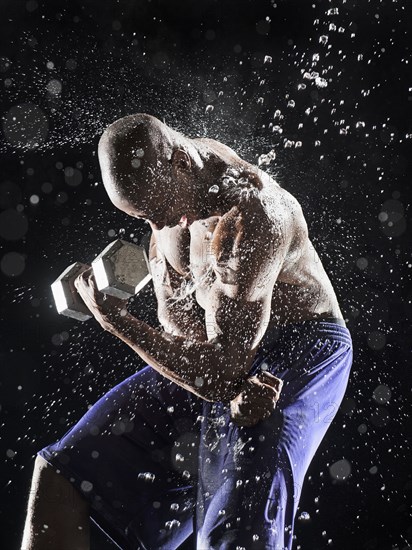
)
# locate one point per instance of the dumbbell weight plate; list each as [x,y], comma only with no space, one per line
[66,297]
[121,269]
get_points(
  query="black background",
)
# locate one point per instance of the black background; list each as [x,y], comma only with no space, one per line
[85,64]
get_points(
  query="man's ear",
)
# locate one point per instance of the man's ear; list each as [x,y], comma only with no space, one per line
[181,161]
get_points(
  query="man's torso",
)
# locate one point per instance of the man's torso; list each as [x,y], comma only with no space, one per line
[203,251]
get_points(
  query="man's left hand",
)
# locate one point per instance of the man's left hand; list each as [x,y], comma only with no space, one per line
[257,399]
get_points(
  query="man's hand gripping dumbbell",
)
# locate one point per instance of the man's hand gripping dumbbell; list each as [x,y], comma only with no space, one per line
[120,271]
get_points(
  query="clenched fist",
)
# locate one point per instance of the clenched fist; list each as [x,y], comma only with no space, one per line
[257,399]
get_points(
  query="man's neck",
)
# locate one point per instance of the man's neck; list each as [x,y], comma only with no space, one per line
[225,185]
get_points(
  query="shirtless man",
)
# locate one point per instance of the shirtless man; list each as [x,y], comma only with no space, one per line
[246,307]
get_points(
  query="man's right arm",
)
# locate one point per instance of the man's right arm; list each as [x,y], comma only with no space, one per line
[258,397]
[179,317]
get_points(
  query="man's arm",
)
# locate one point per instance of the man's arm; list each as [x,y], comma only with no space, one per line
[237,315]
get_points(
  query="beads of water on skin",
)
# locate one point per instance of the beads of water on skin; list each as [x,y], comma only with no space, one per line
[255,537]
[180,458]
[239,483]
[304,516]
[266,159]
[291,103]
[186,474]
[174,506]
[170,409]
[323,39]
[267,59]
[86,486]
[209,108]
[222,512]
[214,189]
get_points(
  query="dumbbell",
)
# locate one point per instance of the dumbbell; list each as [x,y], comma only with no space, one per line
[120,270]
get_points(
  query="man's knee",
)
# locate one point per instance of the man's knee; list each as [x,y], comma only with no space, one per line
[39,464]
[51,487]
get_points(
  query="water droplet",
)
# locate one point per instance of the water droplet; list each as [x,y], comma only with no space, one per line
[320,82]
[172,524]
[146,476]
[340,470]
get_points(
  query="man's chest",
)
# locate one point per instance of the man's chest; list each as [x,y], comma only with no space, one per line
[201,255]
[189,252]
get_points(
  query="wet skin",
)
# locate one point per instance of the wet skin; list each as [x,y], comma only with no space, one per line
[250,263]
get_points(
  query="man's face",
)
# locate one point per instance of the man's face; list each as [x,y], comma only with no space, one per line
[162,206]
[150,188]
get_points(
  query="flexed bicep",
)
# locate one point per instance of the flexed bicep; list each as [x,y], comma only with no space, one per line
[248,260]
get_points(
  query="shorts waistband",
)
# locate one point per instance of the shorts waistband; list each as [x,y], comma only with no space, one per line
[331,327]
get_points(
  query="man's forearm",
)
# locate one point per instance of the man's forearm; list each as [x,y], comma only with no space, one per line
[199,367]
[182,319]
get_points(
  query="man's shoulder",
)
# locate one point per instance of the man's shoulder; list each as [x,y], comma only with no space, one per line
[271,213]
[255,225]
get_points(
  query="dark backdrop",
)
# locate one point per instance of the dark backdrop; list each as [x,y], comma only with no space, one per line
[327,86]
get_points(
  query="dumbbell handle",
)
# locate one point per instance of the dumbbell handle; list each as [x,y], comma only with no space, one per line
[120,270]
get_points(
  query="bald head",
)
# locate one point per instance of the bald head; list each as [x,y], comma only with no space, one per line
[135,155]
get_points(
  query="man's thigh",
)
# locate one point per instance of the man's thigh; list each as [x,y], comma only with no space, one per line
[133,455]
[250,479]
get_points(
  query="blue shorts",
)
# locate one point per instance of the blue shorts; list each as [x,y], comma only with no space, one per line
[158,463]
